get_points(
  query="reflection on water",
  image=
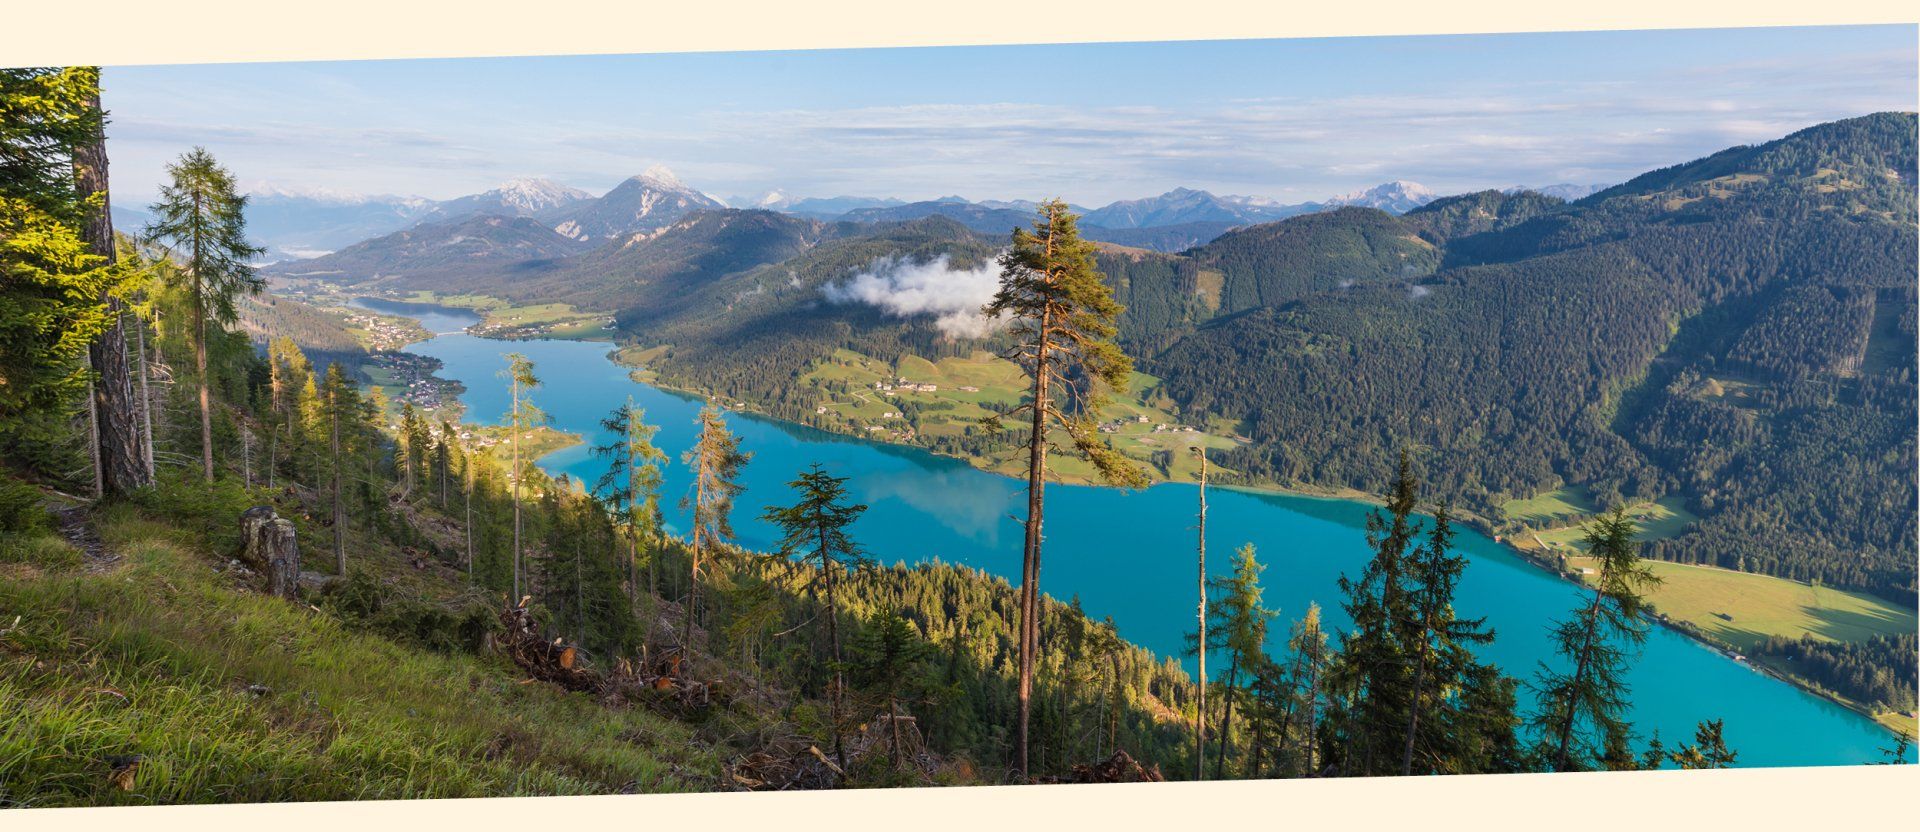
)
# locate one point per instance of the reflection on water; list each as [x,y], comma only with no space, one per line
[1130,554]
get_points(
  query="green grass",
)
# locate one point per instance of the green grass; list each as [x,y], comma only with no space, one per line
[1741,609]
[158,659]
[995,385]
[1658,520]
[1557,505]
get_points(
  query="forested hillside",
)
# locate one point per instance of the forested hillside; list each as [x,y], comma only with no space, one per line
[1735,332]
[235,572]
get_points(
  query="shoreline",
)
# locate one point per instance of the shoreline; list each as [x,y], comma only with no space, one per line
[1473,520]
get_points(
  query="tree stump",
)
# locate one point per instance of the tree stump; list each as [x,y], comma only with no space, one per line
[272,549]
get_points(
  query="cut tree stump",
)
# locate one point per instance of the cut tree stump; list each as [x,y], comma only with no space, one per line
[270,547]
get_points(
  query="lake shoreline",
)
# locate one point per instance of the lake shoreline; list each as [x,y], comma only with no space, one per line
[1476,522]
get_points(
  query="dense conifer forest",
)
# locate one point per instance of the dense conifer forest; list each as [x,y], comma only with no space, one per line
[236,572]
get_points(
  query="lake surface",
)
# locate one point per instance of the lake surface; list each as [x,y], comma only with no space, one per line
[1130,555]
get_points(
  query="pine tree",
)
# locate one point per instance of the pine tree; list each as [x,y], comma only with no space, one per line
[716,460]
[815,533]
[1596,641]
[202,217]
[1063,327]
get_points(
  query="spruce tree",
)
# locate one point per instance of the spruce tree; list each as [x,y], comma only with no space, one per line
[814,532]
[888,663]
[1062,328]
[1441,643]
[1373,674]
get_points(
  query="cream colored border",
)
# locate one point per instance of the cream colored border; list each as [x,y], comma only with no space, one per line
[182,31]
[34,32]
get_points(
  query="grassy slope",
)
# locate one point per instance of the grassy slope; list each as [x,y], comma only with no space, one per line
[156,657]
[1000,385]
[1741,608]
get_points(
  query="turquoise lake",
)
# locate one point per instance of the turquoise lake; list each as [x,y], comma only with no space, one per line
[1130,555]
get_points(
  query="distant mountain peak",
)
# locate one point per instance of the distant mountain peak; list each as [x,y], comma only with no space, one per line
[1398,197]
[662,175]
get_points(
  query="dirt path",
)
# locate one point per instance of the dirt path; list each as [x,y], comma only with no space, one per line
[79,531]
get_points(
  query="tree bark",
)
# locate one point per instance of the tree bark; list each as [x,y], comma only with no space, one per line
[339,508]
[271,547]
[1030,562]
[122,452]
[1200,646]
[516,490]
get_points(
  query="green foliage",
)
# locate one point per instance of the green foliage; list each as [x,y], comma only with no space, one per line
[1583,708]
[22,507]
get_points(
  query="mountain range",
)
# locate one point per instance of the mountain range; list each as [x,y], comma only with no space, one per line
[306,224]
[1733,336]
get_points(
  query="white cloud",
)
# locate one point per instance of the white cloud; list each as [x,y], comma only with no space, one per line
[906,289]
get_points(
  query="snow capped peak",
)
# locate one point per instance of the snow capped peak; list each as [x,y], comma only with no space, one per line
[773,200]
[1398,196]
[662,175]
[535,194]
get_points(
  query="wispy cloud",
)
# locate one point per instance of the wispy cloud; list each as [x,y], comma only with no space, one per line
[1494,129]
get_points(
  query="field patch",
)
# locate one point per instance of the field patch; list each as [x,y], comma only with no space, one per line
[1742,609]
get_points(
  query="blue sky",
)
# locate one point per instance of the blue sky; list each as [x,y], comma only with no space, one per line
[1290,119]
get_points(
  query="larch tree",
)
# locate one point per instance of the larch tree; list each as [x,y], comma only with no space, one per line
[1311,655]
[1062,327]
[201,218]
[1589,699]
[631,486]
[716,460]
[521,416]
[1200,651]
[814,532]
[1372,673]
[1243,620]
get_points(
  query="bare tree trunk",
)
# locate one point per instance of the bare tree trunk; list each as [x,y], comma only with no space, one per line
[339,508]
[516,490]
[1226,718]
[1030,562]
[146,398]
[206,400]
[1200,646]
[466,469]
[833,640]
[121,451]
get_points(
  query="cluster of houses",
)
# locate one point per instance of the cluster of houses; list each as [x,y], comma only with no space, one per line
[1158,427]
[902,385]
[414,376]
[385,333]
